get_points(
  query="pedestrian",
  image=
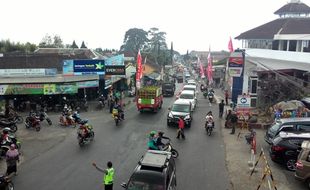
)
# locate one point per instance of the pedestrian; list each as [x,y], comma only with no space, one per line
[227,122]
[112,103]
[108,175]
[221,108]
[226,97]
[234,122]
[180,128]
[12,157]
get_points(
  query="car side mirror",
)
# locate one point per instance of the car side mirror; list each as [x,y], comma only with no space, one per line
[124,185]
[169,109]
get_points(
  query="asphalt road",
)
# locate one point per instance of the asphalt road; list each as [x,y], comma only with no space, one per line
[53,159]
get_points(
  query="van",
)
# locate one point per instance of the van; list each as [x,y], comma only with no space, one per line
[300,124]
[302,172]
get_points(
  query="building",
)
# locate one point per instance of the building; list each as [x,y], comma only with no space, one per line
[277,58]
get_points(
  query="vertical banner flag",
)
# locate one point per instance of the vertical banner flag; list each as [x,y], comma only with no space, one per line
[202,73]
[139,70]
[230,46]
[209,69]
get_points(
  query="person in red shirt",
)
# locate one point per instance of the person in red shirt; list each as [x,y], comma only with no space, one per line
[181,128]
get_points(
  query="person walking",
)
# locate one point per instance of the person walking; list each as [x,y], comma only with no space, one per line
[180,128]
[108,175]
[221,108]
[12,157]
[226,97]
[234,122]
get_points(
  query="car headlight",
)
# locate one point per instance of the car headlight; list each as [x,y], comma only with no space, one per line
[187,117]
[170,115]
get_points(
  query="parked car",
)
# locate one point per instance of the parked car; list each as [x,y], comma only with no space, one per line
[303,164]
[180,108]
[287,125]
[189,95]
[155,170]
[286,147]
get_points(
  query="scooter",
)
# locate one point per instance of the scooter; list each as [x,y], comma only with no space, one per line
[209,127]
[116,116]
[10,124]
[6,183]
[85,138]
[33,122]
[43,116]
[168,148]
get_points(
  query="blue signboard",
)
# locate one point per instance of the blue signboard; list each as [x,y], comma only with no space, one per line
[115,60]
[88,66]
[67,67]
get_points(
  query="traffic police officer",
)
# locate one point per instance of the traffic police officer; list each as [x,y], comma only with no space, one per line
[108,175]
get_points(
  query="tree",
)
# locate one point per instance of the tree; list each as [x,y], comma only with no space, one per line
[6,46]
[157,39]
[49,41]
[74,45]
[135,39]
[83,45]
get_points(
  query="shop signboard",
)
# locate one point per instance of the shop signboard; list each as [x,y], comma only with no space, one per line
[17,89]
[235,66]
[243,106]
[88,84]
[115,60]
[70,88]
[67,68]
[88,67]
[115,70]
[31,72]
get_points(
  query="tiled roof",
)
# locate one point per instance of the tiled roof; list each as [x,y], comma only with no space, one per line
[278,26]
[66,51]
[293,8]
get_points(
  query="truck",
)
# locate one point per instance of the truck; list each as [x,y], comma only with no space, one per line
[149,98]
[168,88]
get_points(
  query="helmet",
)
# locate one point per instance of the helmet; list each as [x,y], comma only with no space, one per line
[160,133]
[6,130]
[153,133]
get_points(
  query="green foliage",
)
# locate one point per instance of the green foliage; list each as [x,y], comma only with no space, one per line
[74,45]
[49,41]
[6,46]
[83,45]
[135,39]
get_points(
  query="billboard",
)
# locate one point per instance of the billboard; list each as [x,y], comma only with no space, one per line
[235,66]
[67,68]
[31,72]
[89,66]
[115,70]
[115,60]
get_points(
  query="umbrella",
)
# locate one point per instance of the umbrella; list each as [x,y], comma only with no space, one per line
[288,105]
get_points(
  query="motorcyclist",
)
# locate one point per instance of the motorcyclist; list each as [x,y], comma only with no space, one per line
[209,118]
[211,95]
[85,129]
[5,136]
[152,141]
[120,111]
[160,136]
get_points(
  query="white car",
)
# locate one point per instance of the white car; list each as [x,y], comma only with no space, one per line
[190,87]
[190,96]
[191,82]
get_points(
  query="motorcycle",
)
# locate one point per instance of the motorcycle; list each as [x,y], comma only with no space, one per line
[85,138]
[10,124]
[168,147]
[116,116]
[6,183]
[211,96]
[209,127]
[100,105]
[205,94]
[43,116]
[33,122]
[6,143]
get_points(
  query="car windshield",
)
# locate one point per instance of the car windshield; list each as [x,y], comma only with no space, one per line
[275,127]
[146,182]
[187,96]
[180,108]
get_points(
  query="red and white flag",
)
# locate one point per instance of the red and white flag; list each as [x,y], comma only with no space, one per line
[139,70]
[209,69]
[230,46]
[202,72]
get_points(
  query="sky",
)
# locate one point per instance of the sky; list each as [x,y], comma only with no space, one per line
[189,24]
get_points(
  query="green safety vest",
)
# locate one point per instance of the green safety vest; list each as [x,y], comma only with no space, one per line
[108,178]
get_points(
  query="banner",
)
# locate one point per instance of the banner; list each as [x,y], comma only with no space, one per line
[115,70]
[115,60]
[67,68]
[88,84]
[27,72]
[235,66]
[139,70]
[88,67]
